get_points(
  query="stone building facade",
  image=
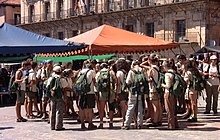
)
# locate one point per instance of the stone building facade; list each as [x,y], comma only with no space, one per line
[171,20]
[10,11]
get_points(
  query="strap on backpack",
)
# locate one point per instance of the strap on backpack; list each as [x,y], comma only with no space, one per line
[158,76]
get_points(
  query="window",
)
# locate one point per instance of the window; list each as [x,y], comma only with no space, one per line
[47,10]
[31,13]
[150,29]
[75,33]
[17,19]
[130,3]
[111,5]
[74,7]
[91,6]
[180,29]
[129,28]
[60,35]
[60,9]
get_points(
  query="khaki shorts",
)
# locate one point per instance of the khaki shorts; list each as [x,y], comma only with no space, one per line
[104,96]
[20,96]
[31,96]
[123,96]
[154,96]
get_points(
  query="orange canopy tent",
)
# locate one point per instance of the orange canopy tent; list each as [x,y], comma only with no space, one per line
[107,39]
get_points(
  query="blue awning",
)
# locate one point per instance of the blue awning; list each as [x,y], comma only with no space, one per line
[16,41]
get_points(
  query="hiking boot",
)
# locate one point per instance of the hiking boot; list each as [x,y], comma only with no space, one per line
[92,126]
[60,129]
[44,116]
[21,119]
[125,128]
[110,125]
[83,126]
[100,126]
[207,112]
[106,116]
[159,123]
[139,127]
[39,115]
[148,120]
[192,119]
[153,125]
[215,112]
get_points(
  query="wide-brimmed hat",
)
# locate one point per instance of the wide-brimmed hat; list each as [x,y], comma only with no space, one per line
[213,57]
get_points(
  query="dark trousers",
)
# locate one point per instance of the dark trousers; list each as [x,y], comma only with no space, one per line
[211,91]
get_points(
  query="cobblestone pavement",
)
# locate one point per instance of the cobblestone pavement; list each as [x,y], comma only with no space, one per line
[208,128]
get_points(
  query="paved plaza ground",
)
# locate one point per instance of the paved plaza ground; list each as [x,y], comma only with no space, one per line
[207,128]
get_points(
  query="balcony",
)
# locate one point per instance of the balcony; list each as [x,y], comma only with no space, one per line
[189,37]
[49,16]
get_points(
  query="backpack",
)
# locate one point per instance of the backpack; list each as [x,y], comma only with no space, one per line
[104,81]
[13,86]
[139,84]
[161,80]
[179,85]
[81,86]
[124,84]
[55,87]
[198,82]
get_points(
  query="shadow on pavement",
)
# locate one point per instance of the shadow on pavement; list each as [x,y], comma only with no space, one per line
[203,129]
[4,128]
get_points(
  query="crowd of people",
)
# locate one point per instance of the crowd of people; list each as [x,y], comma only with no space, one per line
[134,90]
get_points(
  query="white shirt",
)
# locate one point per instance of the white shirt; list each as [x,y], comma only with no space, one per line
[168,80]
[121,76]
[32,77]
[213,70]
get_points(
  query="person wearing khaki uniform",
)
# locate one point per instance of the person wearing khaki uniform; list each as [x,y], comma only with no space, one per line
[212,86]
[169,99]
[56,101]
[107,96]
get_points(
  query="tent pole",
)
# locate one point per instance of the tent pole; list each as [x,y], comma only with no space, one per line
[172,51]
[90,53]
[192,47]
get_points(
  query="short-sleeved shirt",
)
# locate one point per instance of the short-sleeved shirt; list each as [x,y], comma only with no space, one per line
[32,77]
[121,76]
[212,70]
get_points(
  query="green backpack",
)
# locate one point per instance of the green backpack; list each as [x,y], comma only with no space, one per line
[81,86]
[104,81]
[179,85]
[55,86]
[198,82]
[161,80]
[140,84]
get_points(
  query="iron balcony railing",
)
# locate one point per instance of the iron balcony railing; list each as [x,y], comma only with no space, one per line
[93,8]
[181,37]
[62,14]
